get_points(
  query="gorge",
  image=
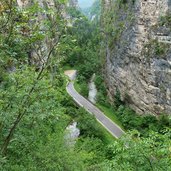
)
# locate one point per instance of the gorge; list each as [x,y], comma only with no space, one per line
[117,56]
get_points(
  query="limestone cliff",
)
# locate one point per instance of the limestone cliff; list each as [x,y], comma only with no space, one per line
[39,53]
[73,3]
[137,39]
[47,21]
[47,24]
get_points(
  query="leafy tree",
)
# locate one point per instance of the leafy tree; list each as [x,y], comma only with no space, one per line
[22,31]
[84,56]
[135,153]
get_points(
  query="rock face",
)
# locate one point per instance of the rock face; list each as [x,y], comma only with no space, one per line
[39,53]
[47,21]
[73,3]
[138,54]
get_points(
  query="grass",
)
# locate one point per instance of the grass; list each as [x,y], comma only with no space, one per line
[77,86]
[108,136]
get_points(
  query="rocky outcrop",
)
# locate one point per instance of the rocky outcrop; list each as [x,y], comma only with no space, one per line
[138,54]
[73,3]
[48,18]
[46,26]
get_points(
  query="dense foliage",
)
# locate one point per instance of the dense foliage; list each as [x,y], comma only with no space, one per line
[86,45]
[35,108]
[147,146]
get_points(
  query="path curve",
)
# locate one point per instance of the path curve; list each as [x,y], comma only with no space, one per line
[107,123]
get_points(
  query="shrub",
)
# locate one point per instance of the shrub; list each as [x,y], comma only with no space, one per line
[88,125]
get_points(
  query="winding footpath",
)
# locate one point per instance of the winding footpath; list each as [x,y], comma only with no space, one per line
[107,123]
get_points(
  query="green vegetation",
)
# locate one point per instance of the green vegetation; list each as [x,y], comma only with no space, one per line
[82,88]
[165,20]
[154,47]
[137,149]
[115,23]
[84,48]
[144,124]
[141,153]
[92,128]
[110,113]
[35,108]
[93,12]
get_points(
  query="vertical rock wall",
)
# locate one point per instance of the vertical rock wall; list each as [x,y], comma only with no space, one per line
[38,54]
[138,56]
[73,3]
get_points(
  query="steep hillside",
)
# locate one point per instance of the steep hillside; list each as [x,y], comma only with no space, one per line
[41,128]
[137,51]
[35,110]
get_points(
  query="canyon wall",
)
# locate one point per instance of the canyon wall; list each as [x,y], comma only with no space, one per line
[137,39]
[44,21]
[48,18]
[73,3]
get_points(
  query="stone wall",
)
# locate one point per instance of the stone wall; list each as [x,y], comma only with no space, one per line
[138,61]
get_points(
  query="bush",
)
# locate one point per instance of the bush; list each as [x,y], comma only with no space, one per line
[143,124]
[88,125]
[102,93]
[84,89]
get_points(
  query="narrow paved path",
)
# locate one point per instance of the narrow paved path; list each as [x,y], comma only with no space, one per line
[107,123]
